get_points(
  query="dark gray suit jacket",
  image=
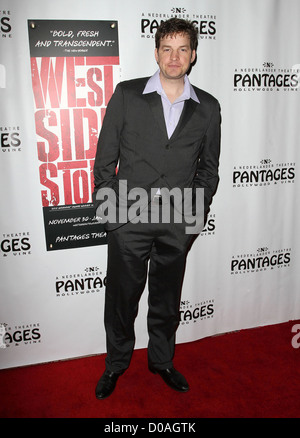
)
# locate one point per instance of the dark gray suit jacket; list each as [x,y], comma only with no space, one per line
[134,137]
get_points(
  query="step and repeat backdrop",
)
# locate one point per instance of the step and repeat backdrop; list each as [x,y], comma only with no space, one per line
[60,61]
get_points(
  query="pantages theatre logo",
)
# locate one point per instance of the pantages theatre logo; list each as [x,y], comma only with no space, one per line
[261,260]
[5,24]
[90,281]
[15,244]
[206,23]
[20,334]
[10,138]
[264,173]
[267,77]
[197,311]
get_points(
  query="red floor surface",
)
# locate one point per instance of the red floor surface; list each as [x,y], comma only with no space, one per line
[252,373]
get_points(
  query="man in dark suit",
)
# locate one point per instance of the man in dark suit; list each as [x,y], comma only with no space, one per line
[163,134]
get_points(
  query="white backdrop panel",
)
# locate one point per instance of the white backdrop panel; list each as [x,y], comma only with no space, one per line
[242,270]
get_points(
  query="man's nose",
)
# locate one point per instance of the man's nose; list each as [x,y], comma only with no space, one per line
[174,54]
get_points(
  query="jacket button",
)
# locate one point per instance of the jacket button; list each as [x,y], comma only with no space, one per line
[167,146]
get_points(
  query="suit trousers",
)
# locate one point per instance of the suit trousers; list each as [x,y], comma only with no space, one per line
[135,251]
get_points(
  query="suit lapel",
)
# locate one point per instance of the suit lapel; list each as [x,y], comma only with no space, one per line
[155,103]
[187,112]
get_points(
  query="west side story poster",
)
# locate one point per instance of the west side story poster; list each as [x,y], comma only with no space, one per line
[74,69]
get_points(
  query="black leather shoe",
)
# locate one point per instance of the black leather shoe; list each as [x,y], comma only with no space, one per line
[173,378]
[106,384]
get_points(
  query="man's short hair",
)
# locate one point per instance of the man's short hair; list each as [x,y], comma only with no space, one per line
[175,26]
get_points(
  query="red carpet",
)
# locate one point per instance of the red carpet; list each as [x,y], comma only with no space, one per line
[252,373]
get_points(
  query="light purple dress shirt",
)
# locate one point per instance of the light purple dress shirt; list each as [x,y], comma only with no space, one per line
[172,111]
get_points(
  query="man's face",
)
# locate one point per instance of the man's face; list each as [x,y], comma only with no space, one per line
[174,56]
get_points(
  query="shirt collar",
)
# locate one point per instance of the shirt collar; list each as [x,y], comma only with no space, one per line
[154,85]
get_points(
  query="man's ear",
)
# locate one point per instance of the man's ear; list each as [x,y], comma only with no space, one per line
[193,56]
